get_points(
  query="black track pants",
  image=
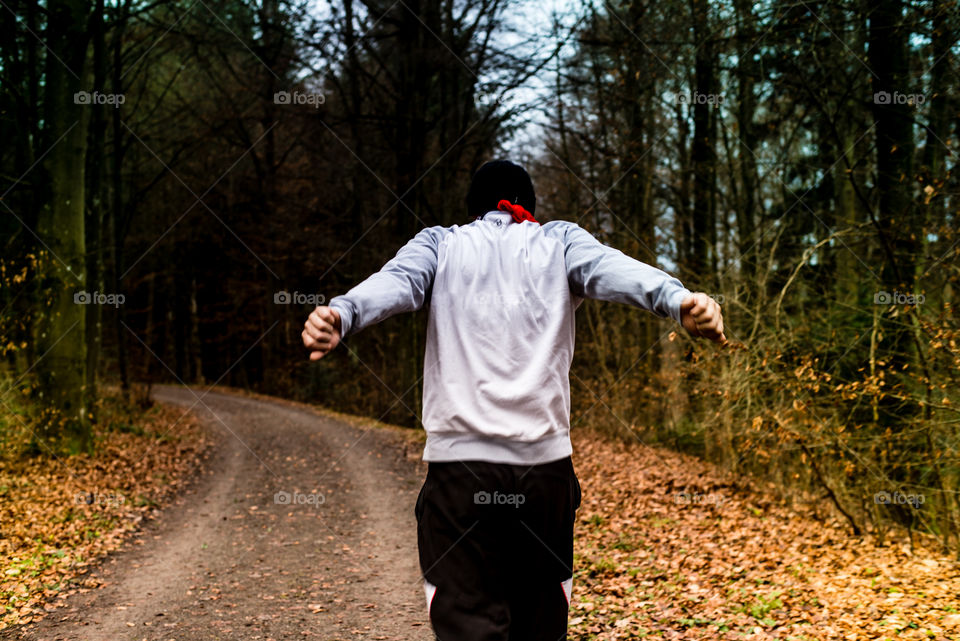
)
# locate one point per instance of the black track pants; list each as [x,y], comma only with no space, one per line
[496,549]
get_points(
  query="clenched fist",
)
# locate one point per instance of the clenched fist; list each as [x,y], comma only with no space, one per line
[700,315]
[321,332]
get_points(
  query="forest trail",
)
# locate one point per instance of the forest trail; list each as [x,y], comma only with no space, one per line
[226,561]
[667,546]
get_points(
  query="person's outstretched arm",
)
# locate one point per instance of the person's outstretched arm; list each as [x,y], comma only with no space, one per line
[402,285]
[597,271]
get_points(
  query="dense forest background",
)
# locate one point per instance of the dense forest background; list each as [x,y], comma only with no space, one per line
[181,181]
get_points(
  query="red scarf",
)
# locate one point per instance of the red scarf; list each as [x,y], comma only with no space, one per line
[517,211]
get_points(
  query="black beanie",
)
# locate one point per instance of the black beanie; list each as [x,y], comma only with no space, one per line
[500,180]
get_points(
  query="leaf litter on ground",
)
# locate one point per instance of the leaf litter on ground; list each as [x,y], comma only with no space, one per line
[669,546]
[60,514]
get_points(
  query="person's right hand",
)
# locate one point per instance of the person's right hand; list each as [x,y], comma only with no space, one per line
[701,316]
[321,332]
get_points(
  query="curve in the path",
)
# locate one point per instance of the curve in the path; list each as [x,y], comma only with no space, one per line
[227,561]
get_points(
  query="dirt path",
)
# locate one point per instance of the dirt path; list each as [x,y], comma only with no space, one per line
[226,561]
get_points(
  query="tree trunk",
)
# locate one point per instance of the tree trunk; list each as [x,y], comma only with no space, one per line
[896,220]
[934,149]
[117,217]
[62,349]
[702,258]
[95,204]
[746,108]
